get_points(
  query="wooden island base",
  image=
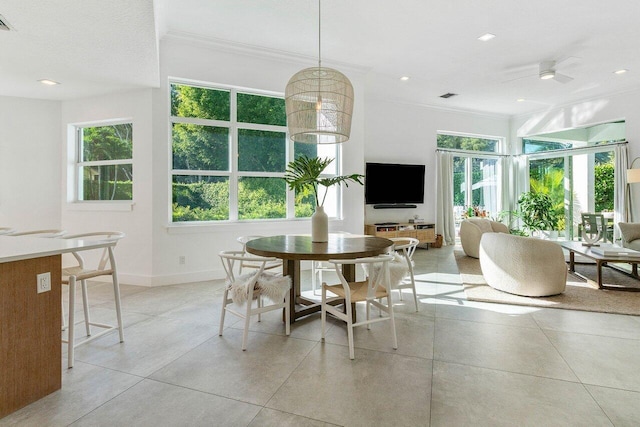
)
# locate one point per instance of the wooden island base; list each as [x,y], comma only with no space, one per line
[30,323]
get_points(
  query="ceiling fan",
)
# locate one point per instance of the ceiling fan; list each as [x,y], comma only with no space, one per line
[548,70]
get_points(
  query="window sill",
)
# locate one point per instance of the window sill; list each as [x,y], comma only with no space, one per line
[294,226]
[120,206]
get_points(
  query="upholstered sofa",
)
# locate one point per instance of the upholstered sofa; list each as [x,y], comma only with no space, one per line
[522,265]
[472,229]
[630,232]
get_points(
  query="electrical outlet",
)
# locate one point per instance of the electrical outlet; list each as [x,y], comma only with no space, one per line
[182,260]
[43,282]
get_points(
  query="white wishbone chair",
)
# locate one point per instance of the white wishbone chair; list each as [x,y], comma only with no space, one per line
[106,266]
[252,287]
[372,290]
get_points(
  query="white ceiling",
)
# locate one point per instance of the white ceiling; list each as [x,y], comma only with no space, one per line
[97,46]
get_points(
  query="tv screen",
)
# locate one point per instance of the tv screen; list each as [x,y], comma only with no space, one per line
[388,183]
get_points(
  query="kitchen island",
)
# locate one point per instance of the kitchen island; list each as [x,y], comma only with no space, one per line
[31,316]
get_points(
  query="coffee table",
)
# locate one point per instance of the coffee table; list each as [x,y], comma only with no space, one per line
[619,257]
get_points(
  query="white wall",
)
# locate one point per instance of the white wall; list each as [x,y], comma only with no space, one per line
[29,168]
[135,252]
[402,133]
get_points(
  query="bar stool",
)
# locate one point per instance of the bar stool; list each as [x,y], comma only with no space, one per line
[51,233]
[106,266]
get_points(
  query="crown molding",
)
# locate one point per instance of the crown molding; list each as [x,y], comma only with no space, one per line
[439,108]
[259,51]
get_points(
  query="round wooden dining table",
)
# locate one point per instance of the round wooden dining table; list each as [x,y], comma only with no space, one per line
[293,248]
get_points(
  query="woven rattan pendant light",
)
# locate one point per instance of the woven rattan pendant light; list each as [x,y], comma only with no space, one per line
[319,103]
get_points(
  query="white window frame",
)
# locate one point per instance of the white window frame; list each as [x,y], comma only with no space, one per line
[234,174]
[76,167]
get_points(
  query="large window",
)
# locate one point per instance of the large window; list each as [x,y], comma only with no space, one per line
[229,153]
[104,162]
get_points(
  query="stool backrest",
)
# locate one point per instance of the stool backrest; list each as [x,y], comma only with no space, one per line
[40,233]
[105,257]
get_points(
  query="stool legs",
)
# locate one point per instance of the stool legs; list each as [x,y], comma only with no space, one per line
[71,345]
[72,321]
[85,306]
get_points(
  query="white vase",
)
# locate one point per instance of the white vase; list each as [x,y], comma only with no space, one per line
[319,226]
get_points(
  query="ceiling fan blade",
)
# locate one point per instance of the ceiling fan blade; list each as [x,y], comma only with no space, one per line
[519,78]
[562,78]
[567,61]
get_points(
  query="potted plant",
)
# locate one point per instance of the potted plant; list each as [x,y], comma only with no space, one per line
[537,212]
[303,176]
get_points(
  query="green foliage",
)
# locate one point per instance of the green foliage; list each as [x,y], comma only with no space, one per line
[186,213]
[262,198]
[551,183]
[199,102]
[261,109]
[536,211]
[201,201]
[113,142]
[261,150]
[107,190]
[303,176]
[467,143]
[197,147]
[604,186]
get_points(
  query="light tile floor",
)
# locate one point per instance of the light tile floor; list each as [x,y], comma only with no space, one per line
[458,363]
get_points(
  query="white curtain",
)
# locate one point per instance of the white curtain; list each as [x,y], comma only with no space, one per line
[518,185]
[506,187]
[445,220]
[622,197]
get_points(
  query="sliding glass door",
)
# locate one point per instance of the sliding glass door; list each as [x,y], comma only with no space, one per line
[580,182]
[475,187]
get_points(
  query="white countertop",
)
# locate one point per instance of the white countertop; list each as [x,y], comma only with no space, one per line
[19,248]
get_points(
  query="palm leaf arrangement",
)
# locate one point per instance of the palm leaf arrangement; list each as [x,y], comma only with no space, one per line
[303,176]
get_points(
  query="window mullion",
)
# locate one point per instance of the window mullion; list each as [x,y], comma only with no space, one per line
[468,172]
[233,163]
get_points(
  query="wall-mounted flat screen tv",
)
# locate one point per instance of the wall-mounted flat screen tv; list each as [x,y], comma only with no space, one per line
[393,184]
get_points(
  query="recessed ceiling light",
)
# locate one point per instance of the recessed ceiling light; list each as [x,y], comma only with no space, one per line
[486,37]
[48,82]
[404,78]
[622,71]
[520,100]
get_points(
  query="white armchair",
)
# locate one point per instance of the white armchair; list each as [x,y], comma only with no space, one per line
[630,232]
[471,231]
[523,265]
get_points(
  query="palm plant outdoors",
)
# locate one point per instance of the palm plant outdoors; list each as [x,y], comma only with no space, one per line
[303,176]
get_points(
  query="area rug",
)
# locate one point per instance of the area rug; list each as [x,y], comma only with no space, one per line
[579,294]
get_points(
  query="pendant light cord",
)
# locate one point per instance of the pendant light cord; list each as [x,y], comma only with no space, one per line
[319,37]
